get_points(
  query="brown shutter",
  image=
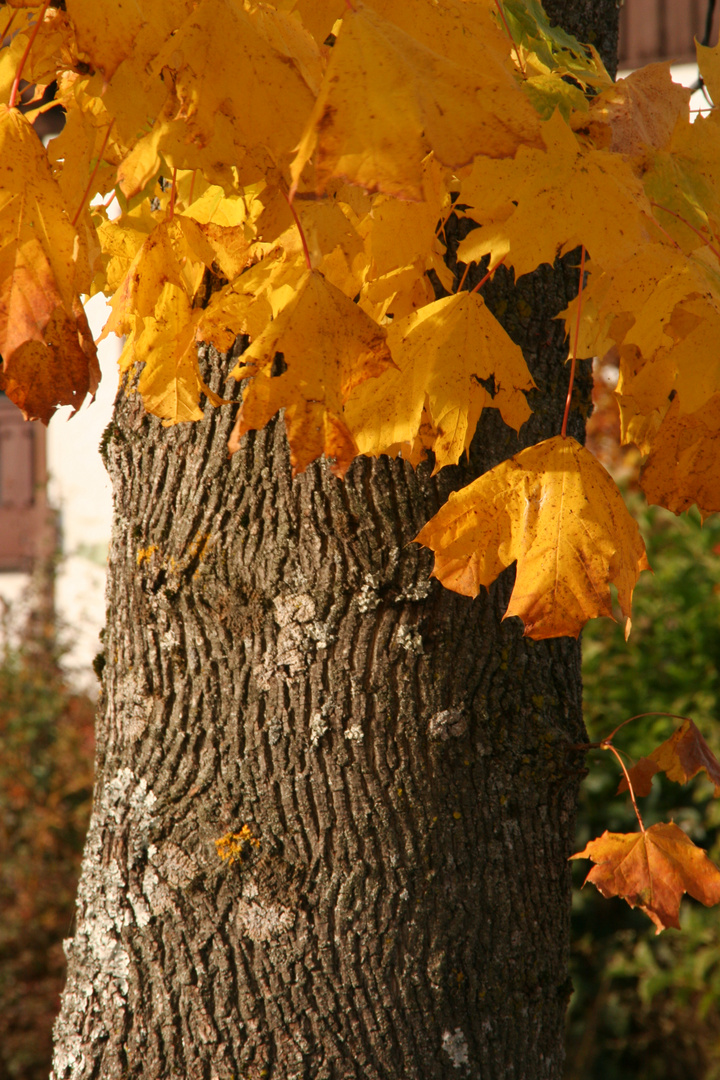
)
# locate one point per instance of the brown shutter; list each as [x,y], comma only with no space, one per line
[652,30]
[23,502]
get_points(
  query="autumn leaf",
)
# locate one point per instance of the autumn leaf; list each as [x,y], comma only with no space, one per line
[444,354]
[170,381]
[684,462]
[555,510]
[681,757]
[387,100]
[248,304]
[250,113]
[534,207]
[652,870]
[639,111]
[49,356]
[328,346]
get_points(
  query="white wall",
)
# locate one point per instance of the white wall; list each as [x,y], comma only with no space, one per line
[80,489]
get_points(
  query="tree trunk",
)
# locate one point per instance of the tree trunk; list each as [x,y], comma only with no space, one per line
[276,658]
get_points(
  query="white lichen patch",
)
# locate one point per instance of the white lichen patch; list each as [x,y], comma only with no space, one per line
[177,866]
[354,733]
[261,922]
[409,638]
[448,724]
[368,598]
[318,727]
[299,631]
[455,1046]
[419,591]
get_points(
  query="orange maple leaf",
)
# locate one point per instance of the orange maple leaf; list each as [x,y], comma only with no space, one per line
[555,510]
[680,757]
[684,463]
[48,352]
[652,870]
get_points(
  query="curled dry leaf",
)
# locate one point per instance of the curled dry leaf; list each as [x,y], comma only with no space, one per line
[681,757]
[555,510]
[652,870]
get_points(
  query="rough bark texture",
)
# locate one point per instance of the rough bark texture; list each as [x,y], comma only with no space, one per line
[276,657]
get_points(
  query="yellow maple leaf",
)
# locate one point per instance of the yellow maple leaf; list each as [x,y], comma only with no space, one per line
[443,353]
[328,346]
[170,381]
[251,113]
[247,305]
[555,510]
[541,204]
[49,356]
[107,35]
[399,233]
[174,251]
[683,180]
[387,100]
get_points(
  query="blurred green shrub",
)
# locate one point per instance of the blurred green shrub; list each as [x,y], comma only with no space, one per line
[647,1007]
[46,761]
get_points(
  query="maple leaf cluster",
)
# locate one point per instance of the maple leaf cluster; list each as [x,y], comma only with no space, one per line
[295,162]
[653,868]
[284,171]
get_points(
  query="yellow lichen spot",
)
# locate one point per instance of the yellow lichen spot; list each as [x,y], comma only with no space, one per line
[145,554]
[198,546]
[230,846]
[400,791]
[537,700]
[457,815]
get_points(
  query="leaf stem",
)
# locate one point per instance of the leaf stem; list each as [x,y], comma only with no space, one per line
[608,746]
[28,47]
[563,431]
[93,174]
[173,195]
[489,274]
[639,716]
[300,229]
[498,5]
[462,279]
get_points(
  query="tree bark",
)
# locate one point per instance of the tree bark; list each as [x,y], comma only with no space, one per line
[276,657]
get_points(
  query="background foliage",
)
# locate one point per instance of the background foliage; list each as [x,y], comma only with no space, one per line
[645,1007]
[46,735]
